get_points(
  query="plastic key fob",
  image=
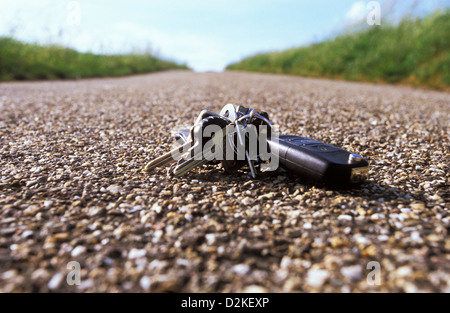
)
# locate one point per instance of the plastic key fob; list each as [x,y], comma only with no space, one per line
[320,162]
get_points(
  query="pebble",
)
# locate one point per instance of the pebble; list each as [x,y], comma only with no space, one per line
[241,269]
[403,271]
[156,208]
[136,253]
[60,237]
[114,189]
[419,206]
[77,251]
[86,284]
[247,201]
[286,262]
[31,210]
[345,218]
[354,272]
[145,283]
[55,281]
[317,277]
[254,289]
[88,201]
[210,239]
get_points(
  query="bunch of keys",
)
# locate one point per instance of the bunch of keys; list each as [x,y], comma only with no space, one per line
[310,159]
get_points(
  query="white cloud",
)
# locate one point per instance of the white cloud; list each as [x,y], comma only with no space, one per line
[357,11]
[44,21]
[202,52]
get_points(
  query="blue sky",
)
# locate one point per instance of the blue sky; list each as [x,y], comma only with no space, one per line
[207,35]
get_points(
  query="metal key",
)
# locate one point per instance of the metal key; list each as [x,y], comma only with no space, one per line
[167,158]
[241,117]
[191,145]
[201,157]
[170,157]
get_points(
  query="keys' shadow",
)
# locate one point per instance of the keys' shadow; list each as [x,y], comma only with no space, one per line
[369,190]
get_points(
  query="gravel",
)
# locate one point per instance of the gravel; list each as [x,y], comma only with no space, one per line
[71,189]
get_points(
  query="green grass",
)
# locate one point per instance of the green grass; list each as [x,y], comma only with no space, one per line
[416,51]
[22,61]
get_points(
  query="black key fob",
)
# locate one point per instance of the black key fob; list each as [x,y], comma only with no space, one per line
[320,162]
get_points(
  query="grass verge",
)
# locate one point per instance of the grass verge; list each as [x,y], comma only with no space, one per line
[415,52]
[23,61]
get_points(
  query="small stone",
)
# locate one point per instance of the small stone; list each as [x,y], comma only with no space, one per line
[415,236]
[403,271]
[40,274]
[247,201]
[171,214]
[122,230]
[48,203]
[145,283]
[210,239]
[30,183]
[317,277]
[96,211]
[9,274]
[241,269]
[286,262]
[157,235]
[77,251]
[137,253]
[419,206]
[156,208]
[362,240]
[255,289]
[370,251]
[353,273]
[55,281]
[114,189]
[344,218]
[433,238]
[61,237]
[269,196]
[337,242]
[183,262]
[377,217]
[31,210]
[86,284]
[27,233]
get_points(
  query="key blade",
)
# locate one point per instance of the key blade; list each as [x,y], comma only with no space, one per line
[201,157]
[167,159]
[187,165]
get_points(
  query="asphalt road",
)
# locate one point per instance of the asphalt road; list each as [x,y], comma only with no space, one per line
[71,189]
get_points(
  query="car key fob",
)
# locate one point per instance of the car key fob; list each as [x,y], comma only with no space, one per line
[318,161]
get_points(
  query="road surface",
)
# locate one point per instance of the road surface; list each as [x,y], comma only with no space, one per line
[72,195]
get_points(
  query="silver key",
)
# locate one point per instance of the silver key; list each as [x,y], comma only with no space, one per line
[189,146]
[175,154]
[201,157]
[251,163]
[168,158]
